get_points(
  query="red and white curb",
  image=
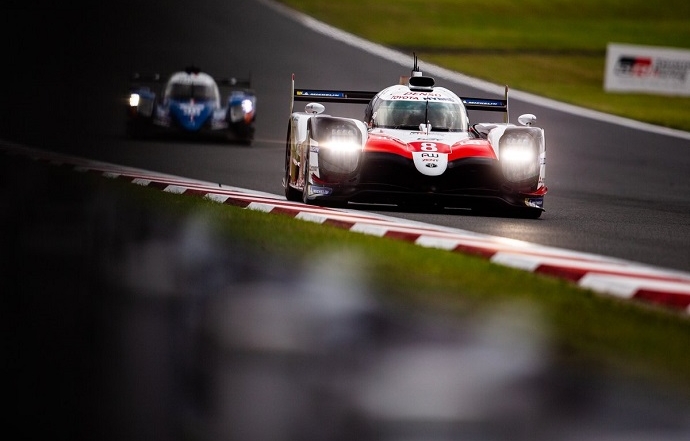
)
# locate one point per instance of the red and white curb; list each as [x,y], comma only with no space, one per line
[616,277]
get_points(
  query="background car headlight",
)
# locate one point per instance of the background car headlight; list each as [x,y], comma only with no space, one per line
[134,100]
[247,106]
[519,154]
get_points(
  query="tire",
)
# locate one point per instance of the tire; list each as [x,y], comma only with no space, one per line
[290,193]
[240,134]
[530,213]
[305,190]
[523,213]
[135,130]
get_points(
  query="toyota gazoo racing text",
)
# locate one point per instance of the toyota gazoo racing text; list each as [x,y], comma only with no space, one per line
[415,147]
[190,105]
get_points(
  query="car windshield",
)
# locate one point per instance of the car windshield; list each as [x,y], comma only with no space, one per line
[398,114]
[186,92]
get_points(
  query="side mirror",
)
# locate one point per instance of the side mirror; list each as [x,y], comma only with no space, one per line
[527,119]
[314,108]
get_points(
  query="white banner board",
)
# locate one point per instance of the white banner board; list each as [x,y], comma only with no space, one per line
[647,69]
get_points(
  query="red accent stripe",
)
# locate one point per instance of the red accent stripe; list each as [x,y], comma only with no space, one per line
[676,300]
[339,223]
[237,202]
[574,274]
[541,191]
[402,235]
[387,145]
[193,192]
[286,211]
[471,149]
[475,251]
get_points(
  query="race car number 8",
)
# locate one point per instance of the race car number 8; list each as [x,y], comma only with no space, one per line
[428,146]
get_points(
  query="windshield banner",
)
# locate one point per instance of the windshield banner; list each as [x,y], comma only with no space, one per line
[647,69]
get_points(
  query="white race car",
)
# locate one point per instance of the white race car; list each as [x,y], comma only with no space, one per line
[415,147]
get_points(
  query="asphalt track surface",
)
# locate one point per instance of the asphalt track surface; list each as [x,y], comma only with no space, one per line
[170,357]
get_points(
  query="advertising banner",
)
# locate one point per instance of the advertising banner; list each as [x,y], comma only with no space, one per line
[647,69]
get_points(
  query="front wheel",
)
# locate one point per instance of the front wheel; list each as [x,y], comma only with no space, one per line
[514,212]
[290,193]
[530,213]
[523,213]
[305,188]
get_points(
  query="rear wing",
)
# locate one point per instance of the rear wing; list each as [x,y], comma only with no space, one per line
[329,96]
[363,97]
[150,79]
[144,80]
[488,105]
[235,83]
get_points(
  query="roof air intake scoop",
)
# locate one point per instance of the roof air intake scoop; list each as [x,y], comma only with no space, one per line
[421,83]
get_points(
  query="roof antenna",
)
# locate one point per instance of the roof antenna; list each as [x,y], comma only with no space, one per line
[415,69]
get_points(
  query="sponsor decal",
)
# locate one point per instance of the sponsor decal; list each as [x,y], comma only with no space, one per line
[647,69]
[633,66]
[428,147]
[627,66]
[482,102]
[422,98]
[535,202]
[429,160]
[410,93]
[320,93]
[425,138]
[191,110]
[320,190]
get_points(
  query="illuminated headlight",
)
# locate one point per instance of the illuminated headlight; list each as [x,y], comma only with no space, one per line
[519,156]
[247,106]
[339,155]
[342,145]
[242,111]
[134,100]
[342,139]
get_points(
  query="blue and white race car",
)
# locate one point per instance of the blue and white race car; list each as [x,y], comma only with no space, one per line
[190,104]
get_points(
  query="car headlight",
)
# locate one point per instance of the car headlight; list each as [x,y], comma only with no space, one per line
[339,152]
[342,145]
[140,104]
[519,155]
[342,139]
[247,106]
[241,110]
